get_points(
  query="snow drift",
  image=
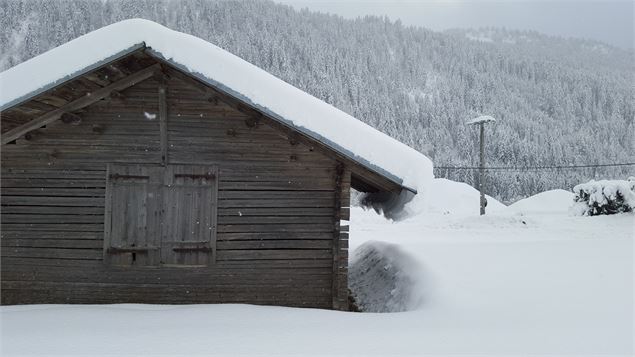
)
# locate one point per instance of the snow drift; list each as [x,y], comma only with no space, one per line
[442,196]
[451,197]
[548,202]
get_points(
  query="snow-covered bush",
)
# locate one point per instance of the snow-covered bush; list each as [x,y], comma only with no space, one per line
[604,197]
[384,278]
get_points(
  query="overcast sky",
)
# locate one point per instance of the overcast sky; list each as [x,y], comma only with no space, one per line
[609,21]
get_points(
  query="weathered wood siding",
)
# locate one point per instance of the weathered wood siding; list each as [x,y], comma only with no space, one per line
[280,203]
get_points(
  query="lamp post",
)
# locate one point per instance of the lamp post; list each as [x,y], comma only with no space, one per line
[480,121]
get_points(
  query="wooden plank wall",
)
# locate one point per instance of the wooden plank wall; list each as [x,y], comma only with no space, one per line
[340,237]
[279,208]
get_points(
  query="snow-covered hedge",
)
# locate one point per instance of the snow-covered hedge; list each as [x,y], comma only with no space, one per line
[604,197]
[384,278]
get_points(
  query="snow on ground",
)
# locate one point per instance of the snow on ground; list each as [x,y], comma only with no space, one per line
[507,283]
[548,202]
[450,197]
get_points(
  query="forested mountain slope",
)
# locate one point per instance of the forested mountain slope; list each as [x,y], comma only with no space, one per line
[558,101]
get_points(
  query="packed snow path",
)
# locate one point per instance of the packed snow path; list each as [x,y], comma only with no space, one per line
[553,284]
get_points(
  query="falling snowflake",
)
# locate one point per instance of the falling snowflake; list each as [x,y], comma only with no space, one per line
[150,116]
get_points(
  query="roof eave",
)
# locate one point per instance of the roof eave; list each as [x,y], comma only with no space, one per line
[71,76]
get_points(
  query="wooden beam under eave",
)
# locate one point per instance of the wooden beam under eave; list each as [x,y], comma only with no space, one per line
[82,102]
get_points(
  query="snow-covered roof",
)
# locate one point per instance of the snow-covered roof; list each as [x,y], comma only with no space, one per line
[481,119]
[237,77]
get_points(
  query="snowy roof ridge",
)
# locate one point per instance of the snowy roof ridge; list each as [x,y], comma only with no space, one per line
[315,118]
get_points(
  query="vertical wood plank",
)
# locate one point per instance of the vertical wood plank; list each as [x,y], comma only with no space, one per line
[340,238]
[167,211]
[335,289]
[133,196]
[107,216]
[163,121]
[190,215]
[213,224]
[151,208]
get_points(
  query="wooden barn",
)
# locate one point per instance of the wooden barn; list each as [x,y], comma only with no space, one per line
[144,165]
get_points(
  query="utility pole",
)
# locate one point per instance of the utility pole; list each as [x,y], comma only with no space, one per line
[480,121]
[481,168]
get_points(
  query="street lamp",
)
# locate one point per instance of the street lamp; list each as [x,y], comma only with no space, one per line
[480,121]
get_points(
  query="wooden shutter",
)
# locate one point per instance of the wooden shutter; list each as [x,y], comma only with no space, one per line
[132,220]
[189,232]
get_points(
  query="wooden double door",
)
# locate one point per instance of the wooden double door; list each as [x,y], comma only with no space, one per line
[161,215]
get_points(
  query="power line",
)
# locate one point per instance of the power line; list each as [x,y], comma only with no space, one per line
[527,168]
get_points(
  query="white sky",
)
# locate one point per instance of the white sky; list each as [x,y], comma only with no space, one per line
[610,21]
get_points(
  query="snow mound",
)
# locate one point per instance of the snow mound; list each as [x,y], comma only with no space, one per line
[451,197]
[548,202]
[442,196]
[384,278]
